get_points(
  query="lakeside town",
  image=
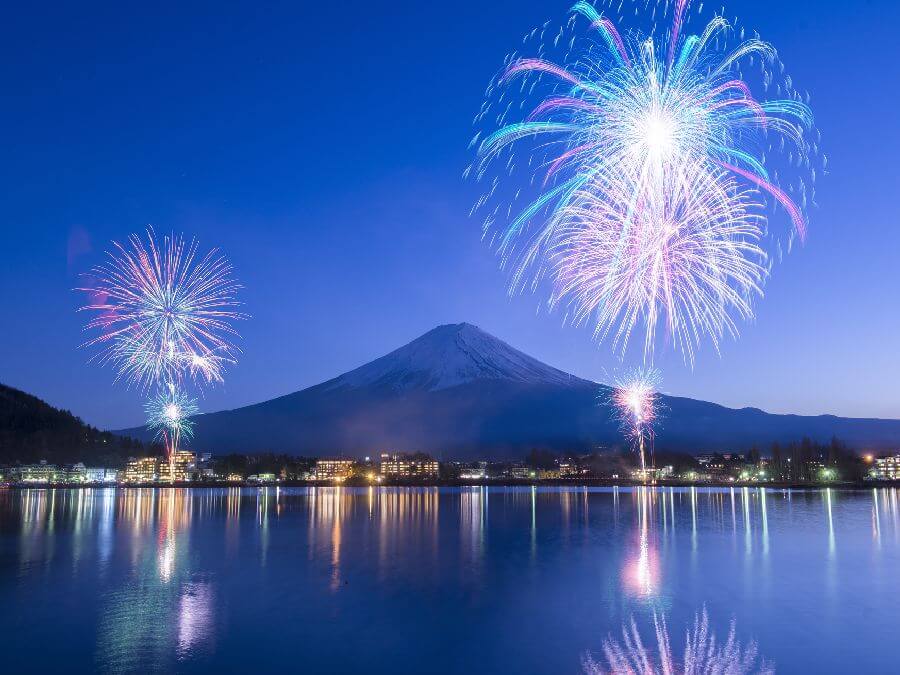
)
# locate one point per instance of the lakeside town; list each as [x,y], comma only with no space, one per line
[802,464]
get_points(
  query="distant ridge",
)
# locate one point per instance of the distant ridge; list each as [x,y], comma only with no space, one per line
[459,392]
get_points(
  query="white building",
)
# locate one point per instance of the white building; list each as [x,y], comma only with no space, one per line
[887,468]
[96,474]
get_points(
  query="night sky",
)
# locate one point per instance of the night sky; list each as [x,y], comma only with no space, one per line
[321,147]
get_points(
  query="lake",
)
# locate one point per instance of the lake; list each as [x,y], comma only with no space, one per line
[428,580]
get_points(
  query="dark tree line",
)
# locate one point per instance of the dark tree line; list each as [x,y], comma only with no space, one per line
[284,466]
[804,460]
[31,431]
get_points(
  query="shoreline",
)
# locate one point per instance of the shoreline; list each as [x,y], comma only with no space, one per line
[502,482]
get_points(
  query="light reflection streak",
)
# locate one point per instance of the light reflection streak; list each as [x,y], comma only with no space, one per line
[262,520]
[195,618]
[403,516]
[831,541]
[733,515]
[472,507]
[748,529]
[642,573]
[876,520]
[105,535]
[533,522]
[693,519]
[672,506]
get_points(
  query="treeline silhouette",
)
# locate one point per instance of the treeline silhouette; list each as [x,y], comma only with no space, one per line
[32,430]
[285,466]
[800,461]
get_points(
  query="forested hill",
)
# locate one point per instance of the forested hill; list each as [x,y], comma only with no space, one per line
[32,430]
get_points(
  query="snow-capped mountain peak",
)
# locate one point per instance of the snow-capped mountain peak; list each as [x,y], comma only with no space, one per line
[451,355]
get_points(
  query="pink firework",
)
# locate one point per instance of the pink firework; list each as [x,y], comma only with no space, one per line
[634,399]
[163,311]
[641,161]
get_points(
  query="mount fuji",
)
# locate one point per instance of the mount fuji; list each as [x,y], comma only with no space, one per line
[459,393]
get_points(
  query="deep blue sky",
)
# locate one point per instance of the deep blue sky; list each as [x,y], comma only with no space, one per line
[321,146]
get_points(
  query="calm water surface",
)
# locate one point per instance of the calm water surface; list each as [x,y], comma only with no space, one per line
[431,580]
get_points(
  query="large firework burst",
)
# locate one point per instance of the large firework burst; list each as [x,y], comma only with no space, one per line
[641,143]
[689,260]
[164,311]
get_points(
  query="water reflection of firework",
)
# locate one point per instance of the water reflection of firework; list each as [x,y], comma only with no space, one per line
[703,653]
[641,573]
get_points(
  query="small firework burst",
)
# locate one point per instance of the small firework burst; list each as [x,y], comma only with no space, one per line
[634,400]
[169,415]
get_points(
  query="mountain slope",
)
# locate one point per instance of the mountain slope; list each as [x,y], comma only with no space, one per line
[32,430]
[459,392]
[449,356]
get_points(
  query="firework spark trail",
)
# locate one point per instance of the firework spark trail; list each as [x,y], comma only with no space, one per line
[168,414]
[634,400]
[639,144]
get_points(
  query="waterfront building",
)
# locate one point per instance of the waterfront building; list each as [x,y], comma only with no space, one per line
[38,473]
[521,472]
[160,469]
[94,474]
[334,469]
[180,469]
[653,473]
[76,473]
[887,468]
[141,470]
[473,471]
[405,466]
[261,478]
[572,469]
[206,473]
